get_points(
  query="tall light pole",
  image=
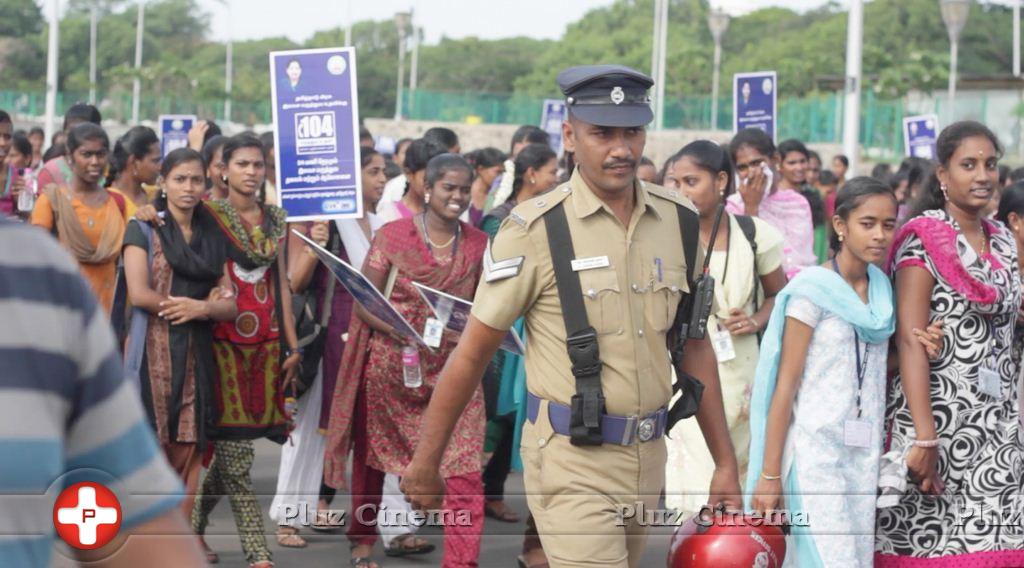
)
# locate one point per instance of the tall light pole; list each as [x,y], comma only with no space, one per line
[137,81]
[52,48]
[417,37]
[661,40]
[851,108]
[348,27]
[229,65]
[1016,38]
[954,14]
[93,21]
[401,23]
[655,37]
[718,23]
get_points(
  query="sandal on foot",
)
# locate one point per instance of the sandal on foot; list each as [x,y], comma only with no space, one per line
[363,562]
[323,523]
[211,556]
[406,545]
[504,515]
[289,538]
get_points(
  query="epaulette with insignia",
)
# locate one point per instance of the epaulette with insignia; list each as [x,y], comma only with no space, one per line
[673,195]
[526,212]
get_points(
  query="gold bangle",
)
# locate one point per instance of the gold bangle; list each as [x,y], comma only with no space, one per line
[770,477]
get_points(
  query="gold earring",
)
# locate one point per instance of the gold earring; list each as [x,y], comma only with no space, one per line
[840,237]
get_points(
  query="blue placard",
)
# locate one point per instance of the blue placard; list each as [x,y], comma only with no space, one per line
[316,133]
[364,292]
[174,131]
[453,312]
[919,135]
[754,100]
[553,114]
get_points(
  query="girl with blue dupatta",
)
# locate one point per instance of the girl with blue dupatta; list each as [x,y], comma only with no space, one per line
[818,404]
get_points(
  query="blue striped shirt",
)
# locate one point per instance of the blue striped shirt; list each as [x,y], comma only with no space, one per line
[67,414]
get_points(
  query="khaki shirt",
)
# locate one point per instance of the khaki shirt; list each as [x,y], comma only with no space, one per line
[631,302]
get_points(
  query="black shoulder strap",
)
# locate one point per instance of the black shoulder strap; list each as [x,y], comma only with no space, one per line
[749,230]
[588,402]
[689,230]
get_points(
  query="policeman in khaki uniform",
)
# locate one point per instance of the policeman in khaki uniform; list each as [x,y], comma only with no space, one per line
[628,254]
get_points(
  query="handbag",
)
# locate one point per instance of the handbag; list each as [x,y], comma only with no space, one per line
[311,326]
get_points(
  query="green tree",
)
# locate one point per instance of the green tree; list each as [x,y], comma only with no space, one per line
[19,18]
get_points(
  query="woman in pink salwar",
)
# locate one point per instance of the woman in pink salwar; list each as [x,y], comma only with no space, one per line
[759,195]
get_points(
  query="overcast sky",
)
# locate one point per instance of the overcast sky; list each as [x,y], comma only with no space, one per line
[489,19]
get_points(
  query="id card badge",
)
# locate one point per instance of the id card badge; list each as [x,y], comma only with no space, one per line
[721,341]
[857,433]
[432,333]
[989,383]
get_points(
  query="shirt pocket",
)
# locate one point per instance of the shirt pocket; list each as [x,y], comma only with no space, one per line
[664,297]
[603,299]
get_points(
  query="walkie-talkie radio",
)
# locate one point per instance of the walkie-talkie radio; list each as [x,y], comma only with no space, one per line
[703,294]
[692,323]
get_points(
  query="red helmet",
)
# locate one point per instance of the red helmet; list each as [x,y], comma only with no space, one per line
[728,540]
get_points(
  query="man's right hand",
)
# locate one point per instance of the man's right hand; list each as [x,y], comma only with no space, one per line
[422,486]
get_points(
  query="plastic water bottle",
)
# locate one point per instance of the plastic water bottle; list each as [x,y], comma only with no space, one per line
[291,407]
[27,197]
[411,367]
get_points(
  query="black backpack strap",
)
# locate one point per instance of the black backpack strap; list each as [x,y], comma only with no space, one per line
[689,229]
[692,389]
[749,230]
[588,402]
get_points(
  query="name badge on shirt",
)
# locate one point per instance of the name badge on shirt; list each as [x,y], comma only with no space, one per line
[857,433]
[432,333]
[989,383]
[721,341]
[581,264]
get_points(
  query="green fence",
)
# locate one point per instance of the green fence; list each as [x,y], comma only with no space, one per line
[816,118]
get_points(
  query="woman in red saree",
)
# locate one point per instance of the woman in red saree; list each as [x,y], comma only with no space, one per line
[437,250]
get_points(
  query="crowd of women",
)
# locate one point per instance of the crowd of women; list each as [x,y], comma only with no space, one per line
[866,331]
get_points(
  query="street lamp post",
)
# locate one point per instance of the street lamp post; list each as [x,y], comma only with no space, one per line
[718,23]
[137,82]
[93,21]
[401,23]
[851,104]
[414,73]
[348,26]
[1016,38]
[661,45]
[954,14]
[52,49]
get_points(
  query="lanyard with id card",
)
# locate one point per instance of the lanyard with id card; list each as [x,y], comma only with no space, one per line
[989,381]
[857,431]
[721,341]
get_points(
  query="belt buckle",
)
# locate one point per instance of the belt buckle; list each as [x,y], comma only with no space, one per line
[645,429]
